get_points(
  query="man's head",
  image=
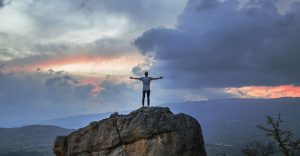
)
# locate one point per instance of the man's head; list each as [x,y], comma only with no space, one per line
[146,73]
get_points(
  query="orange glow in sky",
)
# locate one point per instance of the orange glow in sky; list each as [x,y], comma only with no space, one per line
[90,65]
[265,91]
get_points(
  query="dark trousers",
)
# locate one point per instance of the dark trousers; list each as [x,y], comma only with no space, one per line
[147,92]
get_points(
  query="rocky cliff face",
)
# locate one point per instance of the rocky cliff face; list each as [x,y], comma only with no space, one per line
[149,131]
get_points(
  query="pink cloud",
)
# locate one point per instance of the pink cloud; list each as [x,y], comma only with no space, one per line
[265,91]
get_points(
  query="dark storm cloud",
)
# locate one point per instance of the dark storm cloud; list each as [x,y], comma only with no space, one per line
[33,91]
[137,10]
[117,94]
[1,3]
[54,28]
[28,99]
[44,52]
[51,48]
[32,98]
[64,89]
[217,45]
[4,2]
[79,14]
[108,47]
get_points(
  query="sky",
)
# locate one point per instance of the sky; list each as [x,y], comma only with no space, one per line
[61,58]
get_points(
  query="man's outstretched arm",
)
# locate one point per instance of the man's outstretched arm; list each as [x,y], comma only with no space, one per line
[134,78]
[157,78]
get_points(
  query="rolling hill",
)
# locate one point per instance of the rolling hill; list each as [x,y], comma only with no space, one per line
[29,140]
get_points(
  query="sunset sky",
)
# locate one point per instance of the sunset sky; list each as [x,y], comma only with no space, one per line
[61,58]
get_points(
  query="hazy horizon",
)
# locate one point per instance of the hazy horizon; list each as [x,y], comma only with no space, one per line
[81,120]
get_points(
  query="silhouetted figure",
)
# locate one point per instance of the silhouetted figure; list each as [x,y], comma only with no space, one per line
[146,86]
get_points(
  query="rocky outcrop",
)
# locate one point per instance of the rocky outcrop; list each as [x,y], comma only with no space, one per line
[148,131]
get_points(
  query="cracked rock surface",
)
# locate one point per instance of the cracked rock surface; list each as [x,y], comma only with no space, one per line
[148,131]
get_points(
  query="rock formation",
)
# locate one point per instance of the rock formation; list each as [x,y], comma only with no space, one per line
[148,131]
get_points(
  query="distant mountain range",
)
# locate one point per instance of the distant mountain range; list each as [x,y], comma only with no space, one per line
[75,122]
[227,124]
[29,140]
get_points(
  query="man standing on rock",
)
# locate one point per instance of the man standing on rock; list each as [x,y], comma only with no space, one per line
[146,86]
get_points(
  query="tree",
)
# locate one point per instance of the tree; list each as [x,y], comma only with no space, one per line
[256,148]
[284,138]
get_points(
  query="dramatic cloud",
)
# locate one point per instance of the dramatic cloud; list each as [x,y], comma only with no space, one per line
[38,27]
[143,12]
[226,44]
[1,3]
[48,34]
[146,65]
[55,55]
[4,2]
[32,98]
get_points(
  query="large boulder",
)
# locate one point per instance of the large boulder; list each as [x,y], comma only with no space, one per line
[148,131]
